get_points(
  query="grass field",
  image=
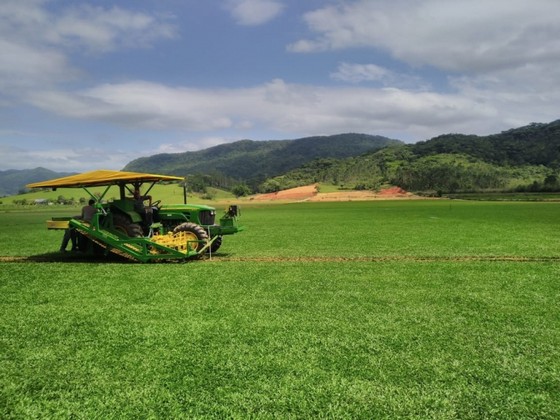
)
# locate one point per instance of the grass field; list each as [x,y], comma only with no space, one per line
[168,193]
[417,309]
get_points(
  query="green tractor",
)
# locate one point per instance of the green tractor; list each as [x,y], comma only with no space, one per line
[131,228]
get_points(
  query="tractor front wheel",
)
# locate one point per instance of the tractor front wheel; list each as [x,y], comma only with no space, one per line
[195,235]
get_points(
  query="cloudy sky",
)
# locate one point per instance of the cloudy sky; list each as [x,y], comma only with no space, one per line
[91,84]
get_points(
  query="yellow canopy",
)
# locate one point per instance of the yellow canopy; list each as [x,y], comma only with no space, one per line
[102,178]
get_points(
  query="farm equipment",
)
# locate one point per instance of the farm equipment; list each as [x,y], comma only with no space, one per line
[154,233]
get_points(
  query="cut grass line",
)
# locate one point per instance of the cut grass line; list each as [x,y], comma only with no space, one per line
[396,258]
[303,259]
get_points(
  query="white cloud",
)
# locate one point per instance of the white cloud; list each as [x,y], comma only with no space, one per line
[356,73]
[459,36]
[372,73]
[36,42]
[501,59]
[254,12]
[23,66]
[102,29]
[198,143]
[501,55]
[278,105]
[524,94]
[66,159]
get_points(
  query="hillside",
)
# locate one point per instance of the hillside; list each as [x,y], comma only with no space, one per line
[534,144]
[525,159]
[13,181]
[252,161]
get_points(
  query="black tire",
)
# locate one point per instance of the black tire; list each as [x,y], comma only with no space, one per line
[122,224]
[216,244]
[196,232]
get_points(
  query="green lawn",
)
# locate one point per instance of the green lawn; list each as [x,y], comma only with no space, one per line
[168,193]
[344,310]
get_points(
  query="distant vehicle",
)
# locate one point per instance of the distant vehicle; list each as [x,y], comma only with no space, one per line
[143,233]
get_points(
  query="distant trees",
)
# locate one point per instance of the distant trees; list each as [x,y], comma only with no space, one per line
[450,173]
[437,173]
[253,162]
[199,182]
[534,144]
[241,190]
[60,200]
[271,185]
[551,181]
[549,184]
[66,201]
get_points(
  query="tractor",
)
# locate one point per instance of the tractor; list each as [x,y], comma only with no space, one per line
[130,228]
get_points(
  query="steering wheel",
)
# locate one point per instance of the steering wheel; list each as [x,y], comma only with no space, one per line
[156,203]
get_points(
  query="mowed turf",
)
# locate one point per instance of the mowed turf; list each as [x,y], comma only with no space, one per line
[379,309]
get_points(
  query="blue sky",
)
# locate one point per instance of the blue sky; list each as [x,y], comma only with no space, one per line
[95,84]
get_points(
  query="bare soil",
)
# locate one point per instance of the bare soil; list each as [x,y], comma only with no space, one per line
[311,193]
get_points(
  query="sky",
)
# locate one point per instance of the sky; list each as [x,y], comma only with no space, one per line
[88,85]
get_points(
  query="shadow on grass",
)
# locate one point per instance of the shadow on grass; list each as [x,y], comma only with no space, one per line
[69,257]
[79,257]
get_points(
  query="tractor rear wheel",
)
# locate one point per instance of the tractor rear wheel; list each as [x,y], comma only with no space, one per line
[124,225]
[193,232]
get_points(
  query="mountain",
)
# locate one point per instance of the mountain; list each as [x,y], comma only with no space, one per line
[257,160]
[534,144]
[13,181]
[525,158]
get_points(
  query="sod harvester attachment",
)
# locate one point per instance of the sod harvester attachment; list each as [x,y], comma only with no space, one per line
[159,232]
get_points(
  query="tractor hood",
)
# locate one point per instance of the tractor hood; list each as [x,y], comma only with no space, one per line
[102,178]
[185,207]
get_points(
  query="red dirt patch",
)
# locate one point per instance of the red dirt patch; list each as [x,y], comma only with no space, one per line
[293,194]
[393,191]
[310,193]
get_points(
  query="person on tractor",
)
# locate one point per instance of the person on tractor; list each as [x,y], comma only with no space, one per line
[88,211]
[141,209]
[70,233]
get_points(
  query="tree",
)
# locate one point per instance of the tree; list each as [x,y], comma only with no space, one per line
[551,181]
[270,186]
[241,190]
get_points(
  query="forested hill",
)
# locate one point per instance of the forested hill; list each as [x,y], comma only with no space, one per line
[13,181]
[521,159]
[534,144]
[258,160]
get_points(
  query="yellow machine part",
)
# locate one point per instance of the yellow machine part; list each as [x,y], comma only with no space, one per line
[181,241]
[102,178]
[57,224]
